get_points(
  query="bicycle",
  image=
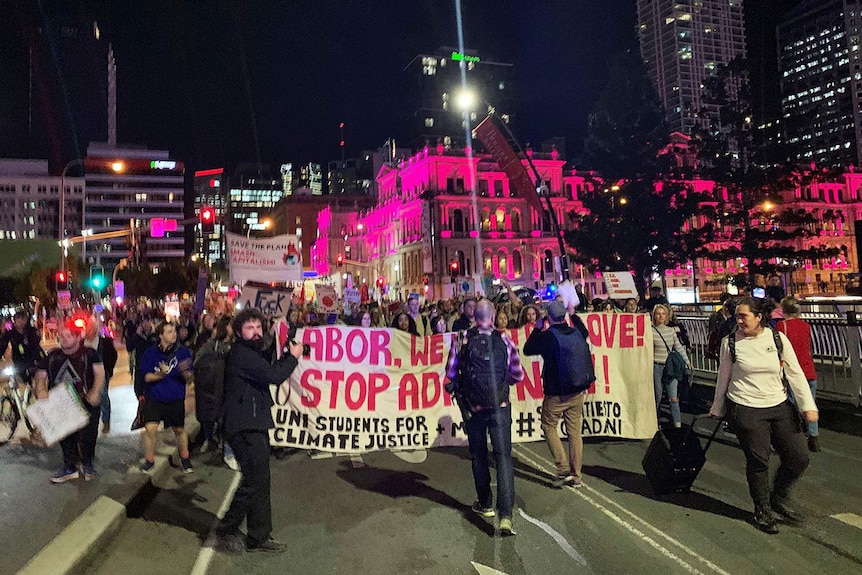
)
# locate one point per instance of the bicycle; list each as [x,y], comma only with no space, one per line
[13,406]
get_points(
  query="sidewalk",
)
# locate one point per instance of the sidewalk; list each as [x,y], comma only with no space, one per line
[50,528]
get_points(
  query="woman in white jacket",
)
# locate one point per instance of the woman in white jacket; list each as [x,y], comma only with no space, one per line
[751,390]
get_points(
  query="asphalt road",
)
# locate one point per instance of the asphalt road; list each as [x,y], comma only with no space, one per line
[388,513]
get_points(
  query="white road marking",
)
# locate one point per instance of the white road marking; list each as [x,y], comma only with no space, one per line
[485,570]
[622,522]
[205,556]
[849,519]
[556,536]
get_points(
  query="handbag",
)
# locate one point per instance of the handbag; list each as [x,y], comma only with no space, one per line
[138,421]
[674,367]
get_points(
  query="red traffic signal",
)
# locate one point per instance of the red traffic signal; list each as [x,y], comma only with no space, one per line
[381,281]
[339,261]
[208,217]
[62,277]
[454,267]
[61,280]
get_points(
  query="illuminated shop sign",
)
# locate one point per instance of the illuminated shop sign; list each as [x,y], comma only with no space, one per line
[163,165]
[459,57]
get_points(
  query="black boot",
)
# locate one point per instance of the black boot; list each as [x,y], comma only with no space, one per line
[764,520]
[781,505]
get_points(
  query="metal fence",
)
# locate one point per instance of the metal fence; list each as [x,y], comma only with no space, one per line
[839,375]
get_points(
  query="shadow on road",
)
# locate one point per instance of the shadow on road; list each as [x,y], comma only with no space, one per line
[637,483]
[398,484]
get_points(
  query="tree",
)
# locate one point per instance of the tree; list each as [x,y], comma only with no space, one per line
[751,226]
[640,220]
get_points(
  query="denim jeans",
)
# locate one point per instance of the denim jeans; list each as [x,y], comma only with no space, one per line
[672,396]
[498,424]
[105,404]
[813,430]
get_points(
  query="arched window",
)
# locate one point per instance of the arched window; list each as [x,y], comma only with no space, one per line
[516,221]
[486,220]
[517,264]
[458,221]
[501,220]
[487,263]
[503,263]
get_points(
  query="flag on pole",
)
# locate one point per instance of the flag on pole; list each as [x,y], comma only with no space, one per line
[496,144]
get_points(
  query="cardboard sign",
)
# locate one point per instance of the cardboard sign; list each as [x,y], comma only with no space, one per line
[621,285]
[275,259]
[270,301]
[59,416]
[327,301]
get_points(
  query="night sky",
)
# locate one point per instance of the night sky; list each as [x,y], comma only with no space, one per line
[219,82]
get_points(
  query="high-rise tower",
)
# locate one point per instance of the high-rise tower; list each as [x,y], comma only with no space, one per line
[681,44]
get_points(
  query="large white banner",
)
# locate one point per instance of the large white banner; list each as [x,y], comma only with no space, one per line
[264,259]
[366,389]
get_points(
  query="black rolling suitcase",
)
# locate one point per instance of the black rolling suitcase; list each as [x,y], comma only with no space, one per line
[674,458]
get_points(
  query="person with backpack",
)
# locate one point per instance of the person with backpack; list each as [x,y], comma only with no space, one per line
[209,387]
[567,374]
[757,365]
[482,367]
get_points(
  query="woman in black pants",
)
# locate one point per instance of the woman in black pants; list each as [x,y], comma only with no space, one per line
[750,389]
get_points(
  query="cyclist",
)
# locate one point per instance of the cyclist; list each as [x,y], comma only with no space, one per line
[26,347]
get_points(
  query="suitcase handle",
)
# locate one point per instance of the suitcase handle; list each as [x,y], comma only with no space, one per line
[714,431]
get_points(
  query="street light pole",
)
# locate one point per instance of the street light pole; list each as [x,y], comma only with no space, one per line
[61,228]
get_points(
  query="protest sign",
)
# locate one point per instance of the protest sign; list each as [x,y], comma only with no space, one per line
[620,285]
[327,301]
[351,296]
[270,301]
[367,389]
[59,416]
[264,259]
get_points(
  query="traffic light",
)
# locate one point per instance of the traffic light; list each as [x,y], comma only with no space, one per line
[454,269]
[61,280]
[208,217]
[381,282]
[339,261]
[97,278]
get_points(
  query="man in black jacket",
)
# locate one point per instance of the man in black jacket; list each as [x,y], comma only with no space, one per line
[26,347]
[566,375]
[247,418]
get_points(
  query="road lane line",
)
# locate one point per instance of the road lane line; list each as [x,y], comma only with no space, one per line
[643,536]
[202,564]
[556,536]
[849,519]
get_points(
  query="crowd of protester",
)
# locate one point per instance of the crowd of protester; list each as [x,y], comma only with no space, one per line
[166,355]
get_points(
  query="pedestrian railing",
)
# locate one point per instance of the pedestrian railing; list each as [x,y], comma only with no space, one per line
[835,347]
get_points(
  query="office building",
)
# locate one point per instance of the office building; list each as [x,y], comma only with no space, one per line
[30,199]
[681,44]
[434,86]
[128,186]
[209,190]
[821,82]
[253,193]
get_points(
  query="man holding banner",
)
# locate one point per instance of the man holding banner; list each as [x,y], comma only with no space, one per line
[483,367]
[567,374]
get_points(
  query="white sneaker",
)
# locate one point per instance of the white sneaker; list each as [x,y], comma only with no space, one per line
[232,463]
[207,445]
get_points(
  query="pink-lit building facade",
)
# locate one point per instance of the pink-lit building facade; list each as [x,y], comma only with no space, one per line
[441,205]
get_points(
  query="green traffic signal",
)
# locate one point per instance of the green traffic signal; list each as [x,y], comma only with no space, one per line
[98,282]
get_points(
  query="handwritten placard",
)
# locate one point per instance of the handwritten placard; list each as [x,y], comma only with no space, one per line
[59,416]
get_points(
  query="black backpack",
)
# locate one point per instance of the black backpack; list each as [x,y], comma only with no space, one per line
[483,368]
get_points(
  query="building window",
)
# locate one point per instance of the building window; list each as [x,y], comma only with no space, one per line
[458,221]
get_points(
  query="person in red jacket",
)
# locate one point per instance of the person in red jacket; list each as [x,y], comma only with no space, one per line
[798,331]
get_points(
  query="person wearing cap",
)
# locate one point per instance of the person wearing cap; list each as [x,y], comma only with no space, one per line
[567,373]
